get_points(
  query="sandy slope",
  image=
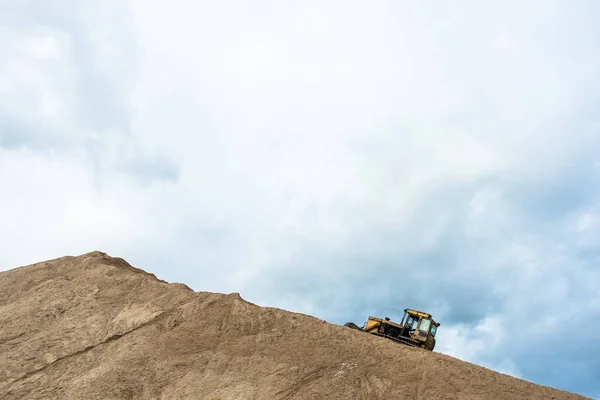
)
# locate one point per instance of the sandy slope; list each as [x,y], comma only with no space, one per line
[93,327]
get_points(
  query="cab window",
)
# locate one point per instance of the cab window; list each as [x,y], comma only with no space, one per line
[425,324]
[412,322]
[433,330]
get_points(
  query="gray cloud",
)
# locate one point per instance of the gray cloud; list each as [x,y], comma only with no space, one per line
[149,169]
[13,135]
[84,59]
[515,271]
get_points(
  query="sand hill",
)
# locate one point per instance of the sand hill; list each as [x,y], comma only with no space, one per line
[94,327]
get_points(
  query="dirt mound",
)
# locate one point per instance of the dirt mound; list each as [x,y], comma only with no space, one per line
[94,327]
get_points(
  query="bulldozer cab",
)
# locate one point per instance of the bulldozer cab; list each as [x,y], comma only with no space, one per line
[419,325]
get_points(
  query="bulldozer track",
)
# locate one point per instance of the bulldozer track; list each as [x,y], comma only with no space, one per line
[397,340]
[406,342]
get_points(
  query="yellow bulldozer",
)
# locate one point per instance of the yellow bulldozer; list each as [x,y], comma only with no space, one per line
[417,329]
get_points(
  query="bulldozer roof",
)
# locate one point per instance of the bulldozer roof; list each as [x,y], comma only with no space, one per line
[420,314]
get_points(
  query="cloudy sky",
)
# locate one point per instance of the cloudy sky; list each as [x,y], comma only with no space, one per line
[337,158]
